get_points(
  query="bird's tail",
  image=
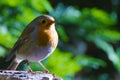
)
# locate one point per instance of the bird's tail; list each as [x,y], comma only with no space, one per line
[13,65]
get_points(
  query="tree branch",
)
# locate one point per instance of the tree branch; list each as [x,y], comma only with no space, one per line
[23,75]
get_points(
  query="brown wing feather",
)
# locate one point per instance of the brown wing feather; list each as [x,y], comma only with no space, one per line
[22,39]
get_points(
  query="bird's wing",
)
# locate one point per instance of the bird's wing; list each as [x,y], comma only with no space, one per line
[22,39]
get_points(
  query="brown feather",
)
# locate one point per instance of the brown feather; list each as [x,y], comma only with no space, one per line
[22,39]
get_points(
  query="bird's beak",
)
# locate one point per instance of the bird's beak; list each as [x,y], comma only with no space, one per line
[53,22]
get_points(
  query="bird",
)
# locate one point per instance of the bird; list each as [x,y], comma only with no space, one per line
[38,41]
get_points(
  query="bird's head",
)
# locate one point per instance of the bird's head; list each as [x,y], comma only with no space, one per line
[45,21]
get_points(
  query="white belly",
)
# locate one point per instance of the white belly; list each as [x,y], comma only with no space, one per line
[40,54]
[34,53]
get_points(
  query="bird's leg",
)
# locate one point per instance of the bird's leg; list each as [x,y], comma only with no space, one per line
[47,71]
[29,68]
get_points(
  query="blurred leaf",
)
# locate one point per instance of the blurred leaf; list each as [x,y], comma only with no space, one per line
[118,52]
[113,57]
[12,3]
[63,62]
[27,16]
[104,76]
[2,52]
[71,14]
[6,39]
[110,35]
[102,16]
[62,33]
[57,12]
[88,61]
[66,14]
[42,5]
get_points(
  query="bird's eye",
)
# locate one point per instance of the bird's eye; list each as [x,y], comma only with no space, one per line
[43,21]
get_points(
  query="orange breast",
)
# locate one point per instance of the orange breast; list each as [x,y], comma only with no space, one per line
[46,37]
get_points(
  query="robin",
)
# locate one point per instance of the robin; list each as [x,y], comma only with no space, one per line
[37,42]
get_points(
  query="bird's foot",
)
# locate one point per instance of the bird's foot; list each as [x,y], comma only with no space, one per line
[30,71]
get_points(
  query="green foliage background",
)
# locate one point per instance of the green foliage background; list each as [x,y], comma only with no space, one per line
[89,38]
